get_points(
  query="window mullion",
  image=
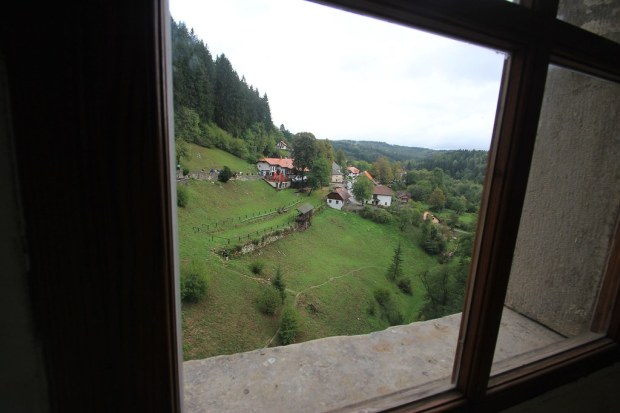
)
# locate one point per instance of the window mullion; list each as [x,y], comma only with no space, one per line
[504,192]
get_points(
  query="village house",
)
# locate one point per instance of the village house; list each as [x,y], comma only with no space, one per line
[337,176]
[282,145]
[338,198]
[276,171]
[382,196]
[352,171]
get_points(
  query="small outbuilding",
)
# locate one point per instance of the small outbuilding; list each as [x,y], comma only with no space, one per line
[304,219]
[338,198]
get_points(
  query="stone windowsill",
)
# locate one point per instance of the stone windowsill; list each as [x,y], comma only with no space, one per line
[338,371]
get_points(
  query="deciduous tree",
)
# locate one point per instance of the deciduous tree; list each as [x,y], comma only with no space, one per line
[305,151]
[437,200]
[362,189]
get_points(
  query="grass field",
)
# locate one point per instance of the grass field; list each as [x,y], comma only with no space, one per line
[331,270]
[214,159]
[219,212]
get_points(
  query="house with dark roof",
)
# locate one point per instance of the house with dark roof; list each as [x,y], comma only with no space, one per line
[382,196]
[338,198]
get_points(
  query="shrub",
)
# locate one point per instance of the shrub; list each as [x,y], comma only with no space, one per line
[182,196]
[289,326]
[257,266]
[269,301]
[404,284]
[278,284]
[185,171]
[394,317]
[371,309]
[382,296]
[225,174]
[193,283]
[378,215]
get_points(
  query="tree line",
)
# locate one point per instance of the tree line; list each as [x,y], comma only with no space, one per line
[214,106]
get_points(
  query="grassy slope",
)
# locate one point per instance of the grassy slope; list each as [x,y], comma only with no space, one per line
[338,244]
[215,159]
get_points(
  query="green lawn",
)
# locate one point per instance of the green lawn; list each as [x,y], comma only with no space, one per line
[352,251]
[208,159]
[217,212]
[330,270]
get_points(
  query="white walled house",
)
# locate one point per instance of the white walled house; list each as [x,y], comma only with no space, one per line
[338,198]
[273,166]
[276,171]
[382,196]
[353,172]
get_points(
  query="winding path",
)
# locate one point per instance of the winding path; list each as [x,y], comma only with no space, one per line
[297,294]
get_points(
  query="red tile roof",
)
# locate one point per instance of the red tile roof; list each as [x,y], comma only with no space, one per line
[369,176]
[353,169]
[283,163]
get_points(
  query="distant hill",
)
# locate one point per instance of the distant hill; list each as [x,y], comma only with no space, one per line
[370,150]
[459,163]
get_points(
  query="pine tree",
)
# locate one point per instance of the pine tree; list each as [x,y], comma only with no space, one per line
[395,271]
[278,284]
[289,326]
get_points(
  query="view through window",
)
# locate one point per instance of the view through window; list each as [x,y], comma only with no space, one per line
[329,175]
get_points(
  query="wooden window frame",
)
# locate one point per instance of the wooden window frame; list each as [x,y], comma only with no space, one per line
[98,197]
[534,38]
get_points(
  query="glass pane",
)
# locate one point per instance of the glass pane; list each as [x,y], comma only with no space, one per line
[372,260]
[570,212]
[598,17]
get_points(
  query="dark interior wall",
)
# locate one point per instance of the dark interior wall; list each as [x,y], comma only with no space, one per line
[22,379]
[92,156]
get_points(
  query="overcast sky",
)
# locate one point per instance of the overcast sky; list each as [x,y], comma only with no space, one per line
[344,76]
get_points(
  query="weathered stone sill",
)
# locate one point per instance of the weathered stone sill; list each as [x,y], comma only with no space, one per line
[335,372]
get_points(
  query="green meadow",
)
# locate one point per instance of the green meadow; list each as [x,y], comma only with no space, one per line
[331,269]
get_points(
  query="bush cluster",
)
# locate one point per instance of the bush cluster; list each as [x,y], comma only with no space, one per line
[404,284]
[257,267]
[269,301]
[182,196]
[289,326]
[193,283]
[384,298]
[378,215]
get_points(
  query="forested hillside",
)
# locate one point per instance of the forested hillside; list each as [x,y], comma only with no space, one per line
[369,151]
[213,106]
[458,164]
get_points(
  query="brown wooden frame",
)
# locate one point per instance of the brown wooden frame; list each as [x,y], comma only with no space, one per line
[534,38]
[90,93]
